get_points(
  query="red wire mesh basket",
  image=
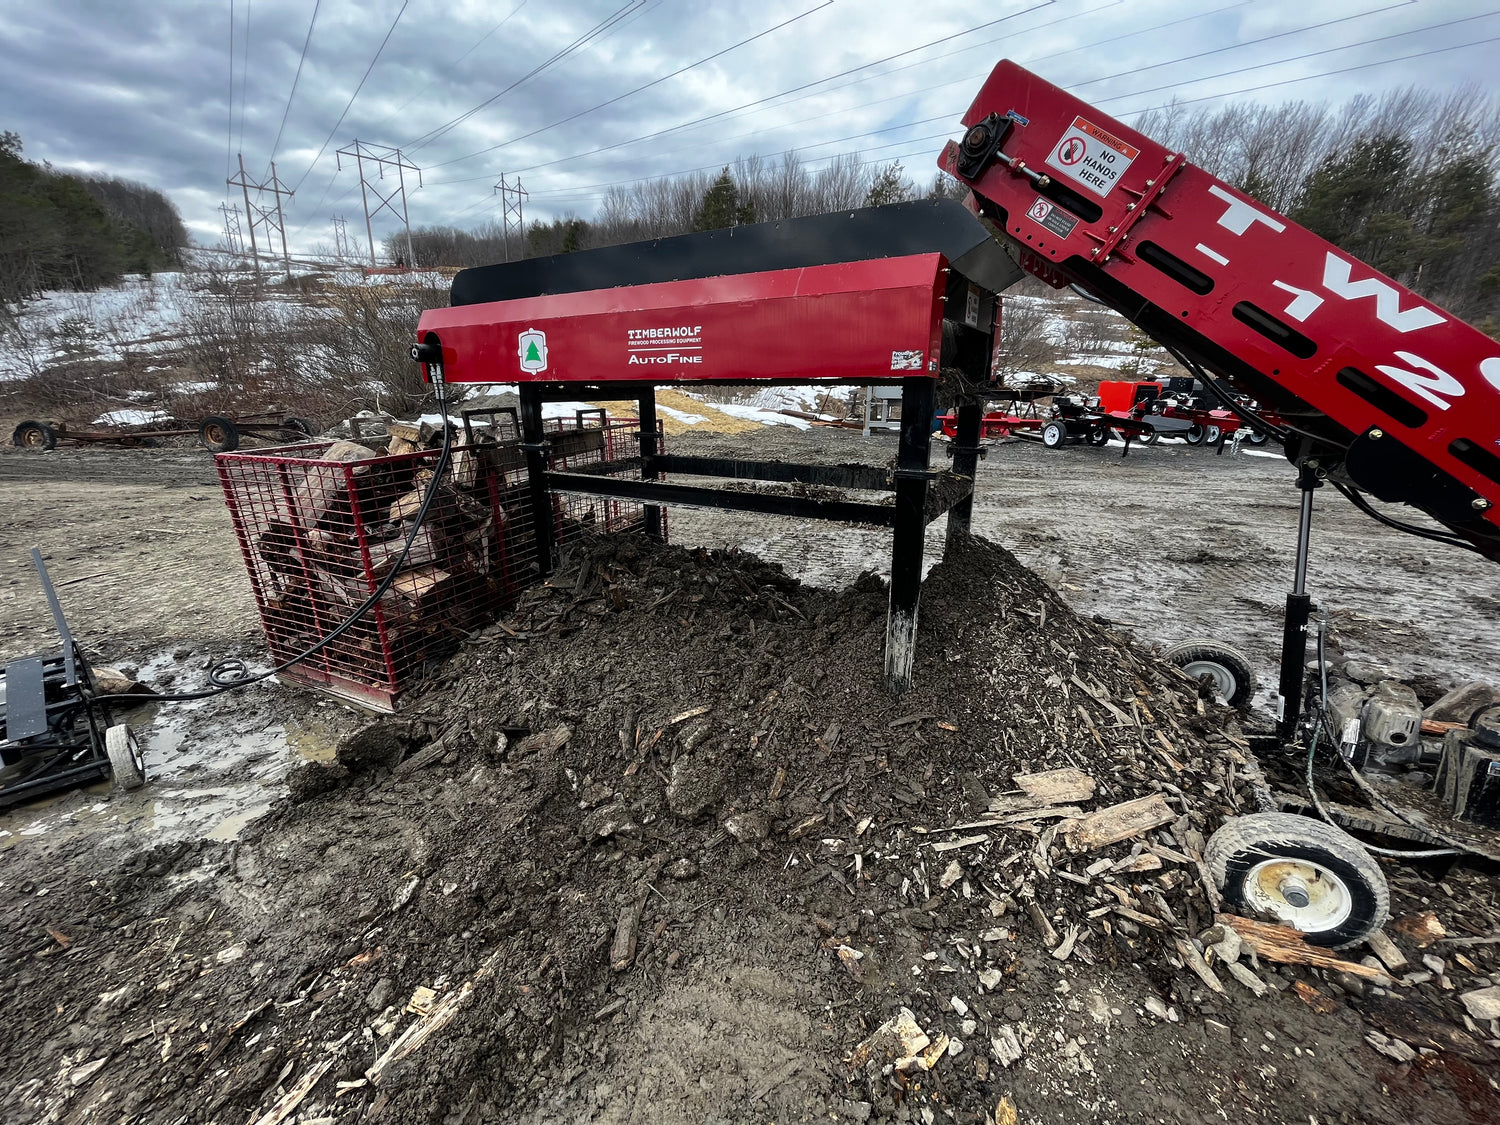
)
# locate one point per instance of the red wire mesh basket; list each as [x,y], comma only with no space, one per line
[320,525]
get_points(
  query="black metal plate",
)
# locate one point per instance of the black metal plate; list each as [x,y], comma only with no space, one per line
[922,227]
[25,698]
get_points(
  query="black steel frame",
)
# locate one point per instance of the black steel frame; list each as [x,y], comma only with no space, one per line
[916,503]
[67,748]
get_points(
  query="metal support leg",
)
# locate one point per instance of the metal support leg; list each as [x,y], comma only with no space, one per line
[965,464]
[910,522]
[647,412]
[534,445]
[1298,611]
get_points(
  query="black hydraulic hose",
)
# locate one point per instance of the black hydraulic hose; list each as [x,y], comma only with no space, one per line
[1356,498]
[230,675]
[1244,414]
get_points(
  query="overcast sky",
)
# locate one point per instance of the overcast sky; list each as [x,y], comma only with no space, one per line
[471,89]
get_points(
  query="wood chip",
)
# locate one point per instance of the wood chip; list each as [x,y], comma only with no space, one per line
[690,714]
[1195,961]
[1118,822]
[954,845]
[1384,948]
[1065,950]
[1323,1005]
[1056,787]
[1043,926]
[1287,946]
[289,1101]
[627,932]
[1424,928]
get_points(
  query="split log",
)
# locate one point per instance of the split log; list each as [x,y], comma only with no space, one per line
[1118,822]
[1287,946]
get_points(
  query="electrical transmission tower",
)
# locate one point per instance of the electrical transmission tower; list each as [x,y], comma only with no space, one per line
[234,237]
[380,158]
[512,198]
[341,249]
[267,218]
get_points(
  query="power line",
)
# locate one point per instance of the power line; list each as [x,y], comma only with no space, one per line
[1308,55]
[1184,82]
[575,191]
[1323,74]
[638,89]
[245,70]
[310,25]
[434,134]
[685,125]
[324,147]
[229,126]
[449,68]
[783,93]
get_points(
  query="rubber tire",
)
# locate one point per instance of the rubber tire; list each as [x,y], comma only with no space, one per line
[218,435]
[1258,437]
[126,765]
[1054,434]
[1245,841]
[1194,434]
[1203,650]
[34,435]
[302,426]
[1144,438]
[1099,435]
[1212,434]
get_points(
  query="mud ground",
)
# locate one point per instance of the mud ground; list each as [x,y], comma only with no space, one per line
[222,941]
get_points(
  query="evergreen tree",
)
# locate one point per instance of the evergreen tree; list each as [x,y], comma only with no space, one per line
[889,187]
[1363,201]
[721,206]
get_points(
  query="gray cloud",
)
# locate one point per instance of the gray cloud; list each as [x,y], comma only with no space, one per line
[143,90]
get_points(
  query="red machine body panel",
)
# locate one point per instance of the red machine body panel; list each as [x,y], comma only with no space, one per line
[1137,225]
[847,322]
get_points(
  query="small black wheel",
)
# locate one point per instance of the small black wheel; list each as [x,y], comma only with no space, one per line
[218,435]
[1099,435]
[1212,434]
[1234,683]
[302,426]
[1195,434]
[1316,878]
[1054,434]
[1257,437]
[1147,437]
[34,435]
[127,765]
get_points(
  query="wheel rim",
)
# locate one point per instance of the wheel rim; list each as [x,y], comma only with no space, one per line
[1225,683]
[1052,436]
[214,433]
[1211,434]
[32,437]
[1303,894]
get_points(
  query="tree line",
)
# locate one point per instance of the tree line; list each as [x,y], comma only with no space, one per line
[751,190]
[1408,181]
[63,231]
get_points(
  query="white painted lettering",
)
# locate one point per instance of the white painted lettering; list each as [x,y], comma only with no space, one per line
[1336,279]
[1303,305]
[1212,254]
[1239,216]
[1429,386]
[1490,369]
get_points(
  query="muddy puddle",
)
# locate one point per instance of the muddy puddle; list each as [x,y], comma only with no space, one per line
[213,767]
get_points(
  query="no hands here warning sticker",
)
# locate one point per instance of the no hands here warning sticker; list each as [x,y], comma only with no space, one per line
[1088,155]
